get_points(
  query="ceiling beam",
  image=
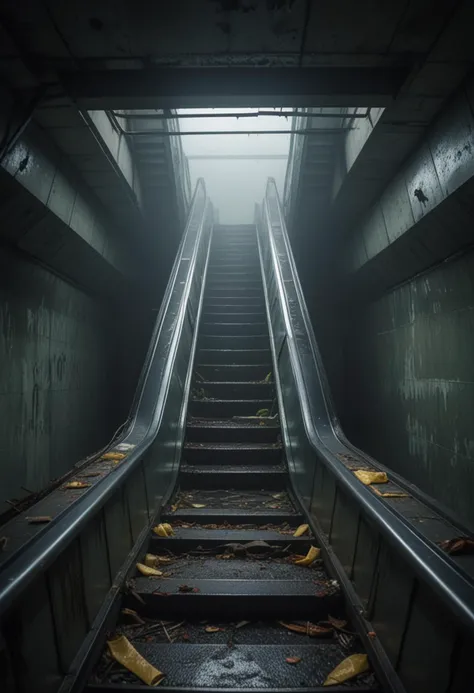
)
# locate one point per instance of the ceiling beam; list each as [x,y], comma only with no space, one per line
[234,87]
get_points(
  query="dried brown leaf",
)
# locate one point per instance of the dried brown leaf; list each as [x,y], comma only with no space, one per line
[292,660]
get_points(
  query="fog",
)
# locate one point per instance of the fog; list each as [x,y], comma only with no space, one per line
[234,186]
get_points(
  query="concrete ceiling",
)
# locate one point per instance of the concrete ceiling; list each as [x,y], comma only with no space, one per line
[407,56]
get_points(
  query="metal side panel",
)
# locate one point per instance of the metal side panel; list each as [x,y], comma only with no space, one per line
[57,587]
[420,601]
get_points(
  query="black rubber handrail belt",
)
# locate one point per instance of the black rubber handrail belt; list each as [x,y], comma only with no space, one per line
[436,570]
[146,414]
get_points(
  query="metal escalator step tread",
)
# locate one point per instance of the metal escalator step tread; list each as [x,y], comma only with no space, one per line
[225,447]
[236,516]
[239,476]
[213,666]
[184,538]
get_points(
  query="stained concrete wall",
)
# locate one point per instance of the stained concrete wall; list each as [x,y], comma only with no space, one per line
[410,371]
[75,318]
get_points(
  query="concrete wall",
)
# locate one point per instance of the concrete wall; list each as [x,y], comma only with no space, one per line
[410,371]
[75,318]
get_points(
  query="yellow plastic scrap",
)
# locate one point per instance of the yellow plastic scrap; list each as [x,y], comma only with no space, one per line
[367,477]
[351,666]
[125,654]
[310,557]
[77,484]
[302,529]
[116,456]
[163,530]
[148,571]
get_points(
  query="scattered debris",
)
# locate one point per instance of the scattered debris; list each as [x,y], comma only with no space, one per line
[198,505]
[90,475]
[163,530]
[310,629]
[263,412]
[292,660]
[349,668]
[213,629]
[3,543]
[114,456]
[241,624]
[370,477]
[151,560]
[77,484]
[133,615]
[372,634]
[302,529]
[337,623]
[147,571]
[457,546]
[187,589]
[310,557]
[125,654]
[268,378]
[391,494]
[39,519]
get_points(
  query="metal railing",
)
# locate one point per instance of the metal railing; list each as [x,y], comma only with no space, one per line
[372,541]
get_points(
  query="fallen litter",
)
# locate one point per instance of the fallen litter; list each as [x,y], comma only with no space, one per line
[349,668]
[39,519]
[163,530]
[77,484]
[310,557]
[125,654]
[147,571]
[368,477]
[302,529]
[114,456]
[457,546]
[310,629]
[293,660]
[391,494]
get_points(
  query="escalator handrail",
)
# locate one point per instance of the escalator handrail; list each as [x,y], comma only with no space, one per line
[40,552]
[435,569]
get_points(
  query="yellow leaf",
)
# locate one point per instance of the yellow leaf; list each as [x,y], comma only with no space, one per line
[351,666]
[174,508]
[391,494]
[113,456]
[197,505]
[168,529]
[77,484]
[310,557]
[160,530]
[212,629]
[302,529]
[125,654]
[263,412]
[367,477]
[148,571]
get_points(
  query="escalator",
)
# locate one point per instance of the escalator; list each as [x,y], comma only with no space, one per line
[231,580]
[181,542]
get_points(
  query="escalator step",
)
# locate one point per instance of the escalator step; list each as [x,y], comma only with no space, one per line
[220,300]
[222,327]
[214,666]
[233,341]
[230,357]
[186,539]
[239,476]
[235,390]
[225,431]
[236,516]
[236,314]
[228,597]
[234,372]
[210,408]
[245,453]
